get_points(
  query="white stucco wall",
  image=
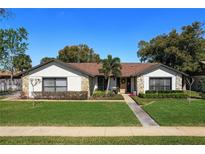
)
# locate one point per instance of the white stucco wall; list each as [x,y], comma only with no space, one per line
[74,83]
[73,77]
[161,72]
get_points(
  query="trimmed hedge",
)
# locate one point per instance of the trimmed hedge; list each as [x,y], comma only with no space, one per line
[165,91]
[69,95]
[203,95]
[101,95]
[163,95]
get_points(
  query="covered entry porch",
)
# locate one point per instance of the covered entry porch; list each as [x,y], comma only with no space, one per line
[124,84]
[127,85]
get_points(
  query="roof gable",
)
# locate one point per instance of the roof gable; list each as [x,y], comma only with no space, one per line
[59,63]
[156,66]
[92,69]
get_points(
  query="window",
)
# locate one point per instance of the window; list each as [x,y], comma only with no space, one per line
[158,84]
[101,81]
[54,84]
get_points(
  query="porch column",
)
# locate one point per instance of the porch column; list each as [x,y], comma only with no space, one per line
[140,84]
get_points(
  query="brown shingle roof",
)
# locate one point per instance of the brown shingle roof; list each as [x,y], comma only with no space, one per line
[128,69]
[6,74]
[92,69]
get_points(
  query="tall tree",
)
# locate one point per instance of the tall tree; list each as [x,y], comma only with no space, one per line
[180,50]
[13,42]
[46,59]
[78,54]
[5,13]
[110,67]
[22,62]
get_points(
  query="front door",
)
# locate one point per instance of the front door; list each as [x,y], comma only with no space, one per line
[128,85]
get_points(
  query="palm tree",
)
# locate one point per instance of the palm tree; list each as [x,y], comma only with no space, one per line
[110,67]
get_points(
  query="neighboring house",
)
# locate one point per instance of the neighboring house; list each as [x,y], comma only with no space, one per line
[198,77]
[56,76]
[197,81]
[5,81]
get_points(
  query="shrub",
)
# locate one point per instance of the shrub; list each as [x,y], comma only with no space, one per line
[6,92]
[100,93]
[163,91]
[202,95]
[23,95]
[201,85]
[192,94]
[141,95]
[68,95]
[163,95]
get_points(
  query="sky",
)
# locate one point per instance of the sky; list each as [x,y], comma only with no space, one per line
[107,31]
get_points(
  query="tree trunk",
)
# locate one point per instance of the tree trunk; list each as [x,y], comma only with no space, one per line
[11,81]
[108,85]
[190,82]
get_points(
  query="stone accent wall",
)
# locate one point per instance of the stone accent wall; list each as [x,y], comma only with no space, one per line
[85,85]
[25,85]
[140,84]
[178,82]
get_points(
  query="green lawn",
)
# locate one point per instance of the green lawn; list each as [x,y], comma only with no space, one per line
[143,101]
[66,114]
[2,97]
[193,94]
[177,112]
[143,140]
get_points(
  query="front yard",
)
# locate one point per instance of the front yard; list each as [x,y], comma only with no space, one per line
[140,140]
[66,114]
[174,112]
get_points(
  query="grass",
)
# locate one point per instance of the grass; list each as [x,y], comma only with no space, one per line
[193,94]
[143,140]
[143,101]
[66,114]
[177,112]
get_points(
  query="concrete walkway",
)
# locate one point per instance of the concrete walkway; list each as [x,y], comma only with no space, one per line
[102,131]
[142,116]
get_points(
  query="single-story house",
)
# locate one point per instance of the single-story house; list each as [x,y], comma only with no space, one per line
[5,81]
[55,77]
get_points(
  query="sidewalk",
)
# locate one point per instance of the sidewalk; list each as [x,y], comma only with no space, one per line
[102,131]
[141,115]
